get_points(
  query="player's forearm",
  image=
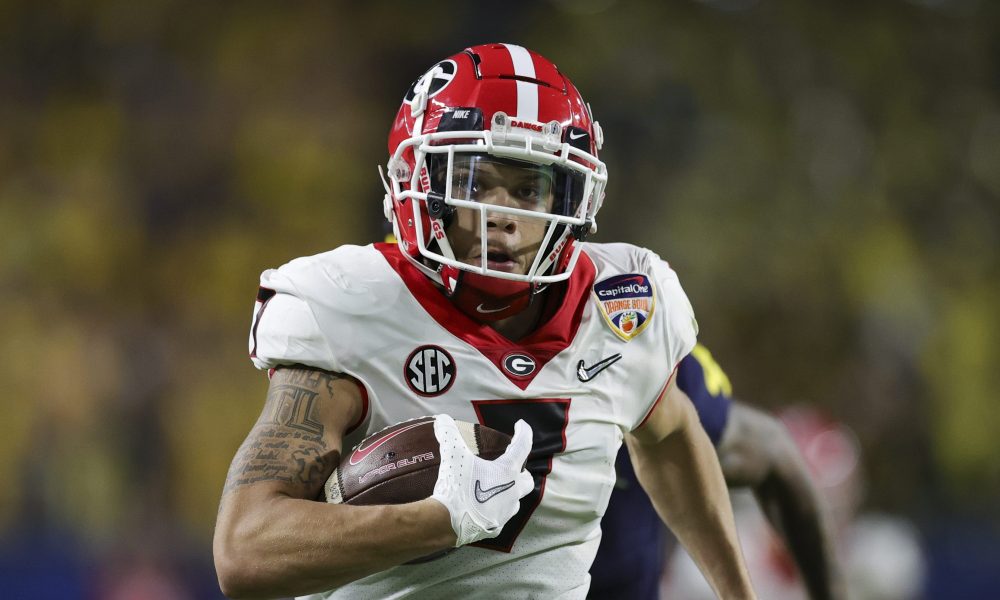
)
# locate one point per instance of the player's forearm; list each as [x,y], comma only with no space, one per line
[681,474]
[284,546]
[793,506]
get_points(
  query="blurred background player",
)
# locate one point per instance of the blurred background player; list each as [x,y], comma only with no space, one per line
[756,451]
[881,555]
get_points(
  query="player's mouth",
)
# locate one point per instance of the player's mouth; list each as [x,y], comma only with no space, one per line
[500,260]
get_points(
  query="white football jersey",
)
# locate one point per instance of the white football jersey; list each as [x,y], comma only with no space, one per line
[593,370]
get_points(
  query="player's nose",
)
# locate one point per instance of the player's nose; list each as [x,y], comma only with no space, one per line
[500,196]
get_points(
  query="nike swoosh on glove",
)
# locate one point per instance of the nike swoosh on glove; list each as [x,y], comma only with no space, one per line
[480,495]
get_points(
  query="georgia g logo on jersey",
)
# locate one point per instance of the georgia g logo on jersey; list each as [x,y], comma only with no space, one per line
[519,364]
[429,371]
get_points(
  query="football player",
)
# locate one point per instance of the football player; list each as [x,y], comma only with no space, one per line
[492,308]
[755,450]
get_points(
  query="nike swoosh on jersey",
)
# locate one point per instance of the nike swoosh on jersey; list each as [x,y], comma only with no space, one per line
[482,496]
[585,373]
[487,311]
[360,454]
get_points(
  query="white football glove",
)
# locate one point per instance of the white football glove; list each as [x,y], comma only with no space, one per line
[480,495]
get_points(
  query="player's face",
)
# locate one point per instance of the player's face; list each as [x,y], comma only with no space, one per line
[512,241]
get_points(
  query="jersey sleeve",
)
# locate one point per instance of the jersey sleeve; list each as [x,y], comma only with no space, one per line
[675,324]
[705,383]
[284,330]
[678,322]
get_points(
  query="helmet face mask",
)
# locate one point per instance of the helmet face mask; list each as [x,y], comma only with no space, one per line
[462,164]
[504,206]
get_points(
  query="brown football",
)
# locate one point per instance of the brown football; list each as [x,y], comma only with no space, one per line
[399,464]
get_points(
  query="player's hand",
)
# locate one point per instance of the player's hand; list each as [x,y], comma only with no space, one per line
[480,495]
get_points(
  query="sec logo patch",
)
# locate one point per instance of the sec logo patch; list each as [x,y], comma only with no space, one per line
[627,303]
[429,371]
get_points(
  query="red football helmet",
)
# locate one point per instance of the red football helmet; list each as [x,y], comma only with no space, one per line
[503,104]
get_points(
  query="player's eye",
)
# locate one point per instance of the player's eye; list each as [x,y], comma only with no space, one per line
[533,191]
[472,190]
[463,186]
[529,193]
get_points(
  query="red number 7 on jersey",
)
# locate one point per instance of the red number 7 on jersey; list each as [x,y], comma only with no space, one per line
[548,418]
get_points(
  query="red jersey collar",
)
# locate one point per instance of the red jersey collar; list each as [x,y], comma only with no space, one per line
[554,335]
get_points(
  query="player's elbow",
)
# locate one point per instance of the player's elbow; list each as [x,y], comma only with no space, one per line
[232,575]
[238,570]
[241,578]
[234,569]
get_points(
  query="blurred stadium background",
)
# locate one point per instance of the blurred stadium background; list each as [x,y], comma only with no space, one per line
[825,177]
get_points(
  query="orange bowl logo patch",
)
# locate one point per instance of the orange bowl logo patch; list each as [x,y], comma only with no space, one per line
[627,303]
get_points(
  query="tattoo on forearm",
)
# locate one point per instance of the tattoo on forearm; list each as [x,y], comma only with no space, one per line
[287,444]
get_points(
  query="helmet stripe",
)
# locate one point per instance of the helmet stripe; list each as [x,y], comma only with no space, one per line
[527,93]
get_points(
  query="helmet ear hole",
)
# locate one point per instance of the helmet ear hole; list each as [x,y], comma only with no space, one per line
[435,205]
[580,232]
[437,209]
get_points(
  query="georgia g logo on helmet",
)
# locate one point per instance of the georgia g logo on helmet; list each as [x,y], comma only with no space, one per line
[439,76]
